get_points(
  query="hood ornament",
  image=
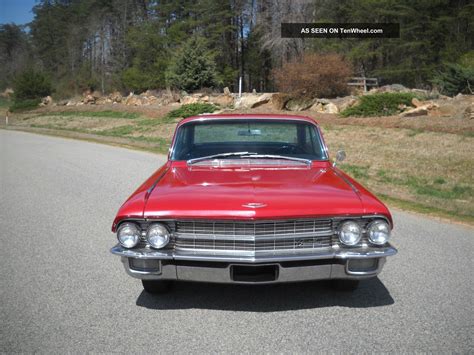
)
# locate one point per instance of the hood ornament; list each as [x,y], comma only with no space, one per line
[254,205]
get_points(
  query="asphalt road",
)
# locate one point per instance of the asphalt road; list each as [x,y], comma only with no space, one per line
[61,289]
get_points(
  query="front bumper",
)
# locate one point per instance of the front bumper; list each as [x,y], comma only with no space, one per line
[357,263]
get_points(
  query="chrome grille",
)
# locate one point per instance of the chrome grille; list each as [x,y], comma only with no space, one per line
[253,237]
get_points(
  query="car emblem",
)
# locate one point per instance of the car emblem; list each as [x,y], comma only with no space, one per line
[254,205]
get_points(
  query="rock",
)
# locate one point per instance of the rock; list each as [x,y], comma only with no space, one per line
[205,99]
[415,102]
[323,101]
[324,106]
[48,100]
[331,108]
[345,102]
[7,93]
[279,101]
[252,101]
[89,99]
[153,100]
[133,100]
[469,112]
[390,88]
[227,91]
[254,92]
[414,112]
[186,100]
[223,100]
[299,104]
[103,100]
[71,103]
[116,96]
[317,107]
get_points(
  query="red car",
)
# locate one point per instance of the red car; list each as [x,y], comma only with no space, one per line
[251,199]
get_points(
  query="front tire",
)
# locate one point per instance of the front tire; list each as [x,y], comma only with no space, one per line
[156,286]
[345,285]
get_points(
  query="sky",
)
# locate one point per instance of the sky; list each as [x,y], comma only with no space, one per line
[16,11]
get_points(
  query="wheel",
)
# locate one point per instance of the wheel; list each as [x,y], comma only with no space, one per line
[345,285]
[156,286]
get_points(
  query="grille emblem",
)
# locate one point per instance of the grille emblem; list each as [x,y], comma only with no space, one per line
[254,205]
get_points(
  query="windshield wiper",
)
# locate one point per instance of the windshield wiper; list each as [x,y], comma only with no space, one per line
[271,156]
[248,155]
[221,155]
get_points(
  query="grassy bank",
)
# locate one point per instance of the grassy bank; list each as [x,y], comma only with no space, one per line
[425,171]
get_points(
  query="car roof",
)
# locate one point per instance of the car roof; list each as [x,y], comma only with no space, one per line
[233,116]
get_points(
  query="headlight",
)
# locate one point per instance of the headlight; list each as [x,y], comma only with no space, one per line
[350,233]
[379,232]
[128,235]
[157,236]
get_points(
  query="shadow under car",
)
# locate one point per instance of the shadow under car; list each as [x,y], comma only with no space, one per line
[266,298]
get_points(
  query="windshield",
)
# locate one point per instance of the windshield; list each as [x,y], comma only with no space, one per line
[270,137]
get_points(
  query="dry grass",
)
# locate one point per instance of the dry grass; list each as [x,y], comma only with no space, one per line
[417,161]
[434,169]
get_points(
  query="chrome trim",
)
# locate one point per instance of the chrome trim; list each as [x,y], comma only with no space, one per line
[356,253]
[142,253]
[351,185]
[206,273]
[253,236]
[377,270]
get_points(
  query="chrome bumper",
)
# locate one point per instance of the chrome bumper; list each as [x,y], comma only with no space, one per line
[329,264]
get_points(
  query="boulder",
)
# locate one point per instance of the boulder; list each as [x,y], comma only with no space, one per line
[89,99]
[331,108]
[223,100]
[116,96]
[345,102]
[133,100]
[299,104]
[252,101]
[390,88]
[415,102]
[103,100]
[317,107]
[279,101]
[153,100]
[45,101]
[324,106]
[186,100]
[469,112]
[414,112]
[227,91]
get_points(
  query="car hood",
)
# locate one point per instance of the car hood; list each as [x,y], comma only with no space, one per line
[253,193]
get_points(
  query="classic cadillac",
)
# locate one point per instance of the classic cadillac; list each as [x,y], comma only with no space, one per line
[251,199]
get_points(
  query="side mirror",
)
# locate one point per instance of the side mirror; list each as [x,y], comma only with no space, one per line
[340,156]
